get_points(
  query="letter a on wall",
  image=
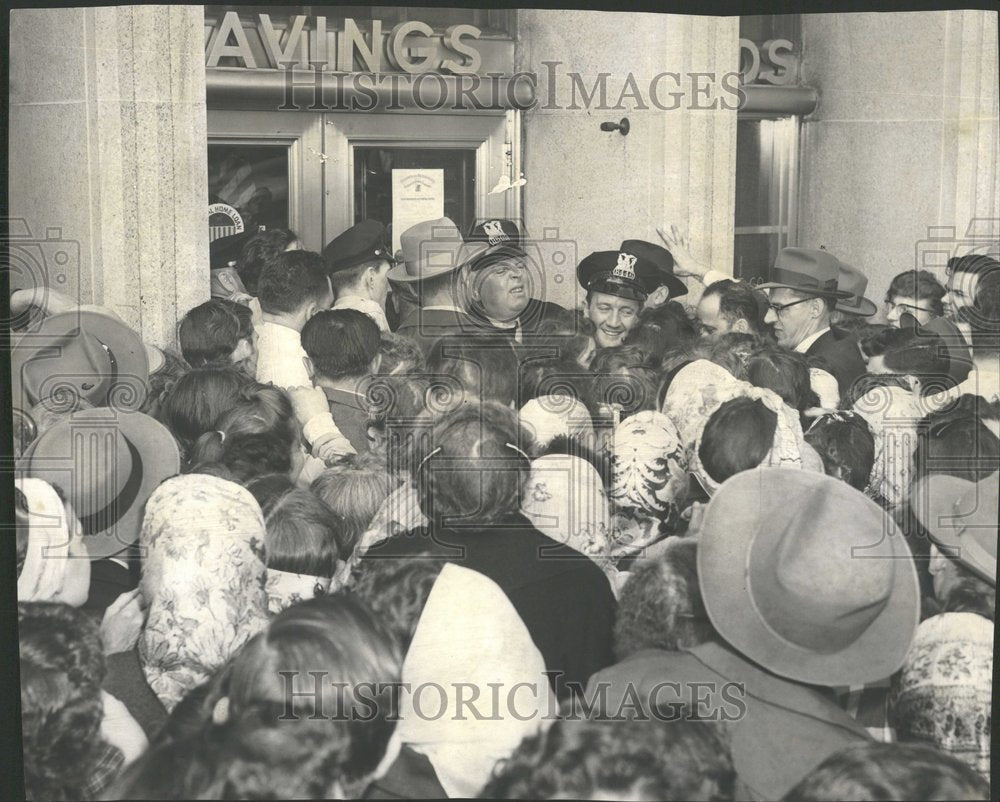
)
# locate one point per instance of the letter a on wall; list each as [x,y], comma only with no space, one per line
[218,46]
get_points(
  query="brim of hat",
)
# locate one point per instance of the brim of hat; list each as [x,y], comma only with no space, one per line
[346,264]
[933,502]
[619,290]
[723,555]
[500,249]
[129,350]
[161,459]
[154,358]
[771,285]
[864,307]
[470,251]
[675,285]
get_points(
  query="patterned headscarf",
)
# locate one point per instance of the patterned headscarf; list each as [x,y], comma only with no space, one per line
[941,696]
[699,389]
[788,450]
[285,588]
[695,393]
[649,481]
[648,464]
[565,499]
[203,577]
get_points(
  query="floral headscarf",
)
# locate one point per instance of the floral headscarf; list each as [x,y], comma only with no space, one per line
[649,479]
[565,499]
[788,450]
[942,694]
[285,588]
[648,463]
[699,389]
[203,577]
[695,393]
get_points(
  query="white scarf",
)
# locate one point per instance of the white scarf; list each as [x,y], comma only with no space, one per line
[45,562]
[469,634]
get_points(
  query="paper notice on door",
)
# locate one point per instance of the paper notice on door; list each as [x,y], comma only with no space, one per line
[417,196]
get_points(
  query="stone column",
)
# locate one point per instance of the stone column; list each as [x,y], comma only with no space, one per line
[899,159]
[699,189]
[108,153]
[970,191]
[597,188]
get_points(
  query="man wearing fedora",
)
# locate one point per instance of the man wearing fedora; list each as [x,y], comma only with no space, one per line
[803,292]
[961,519]
[498,287]
[617,284]
[809,587]
[106,462]
[856,308]
[433,255]
[358,262]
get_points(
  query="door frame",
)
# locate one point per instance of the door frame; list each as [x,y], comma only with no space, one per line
[491,135]
[321,157]
[303,135]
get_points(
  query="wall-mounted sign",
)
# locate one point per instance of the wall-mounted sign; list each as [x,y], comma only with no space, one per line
[411,47]
[773,62]
[417,196]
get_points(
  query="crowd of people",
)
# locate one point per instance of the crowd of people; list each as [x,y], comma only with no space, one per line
[387,525]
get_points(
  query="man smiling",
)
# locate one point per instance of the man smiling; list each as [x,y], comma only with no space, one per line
[617,285]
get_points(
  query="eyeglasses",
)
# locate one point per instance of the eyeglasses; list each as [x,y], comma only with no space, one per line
[779,308]
[902,309]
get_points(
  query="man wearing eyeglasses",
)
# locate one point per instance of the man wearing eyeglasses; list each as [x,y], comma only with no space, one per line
[802,294]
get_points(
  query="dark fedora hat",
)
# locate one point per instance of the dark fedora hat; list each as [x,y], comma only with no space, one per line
[663,260]
[107,463]
[808,270]
[856,283]
[807,577]
[86,354]
[621,273]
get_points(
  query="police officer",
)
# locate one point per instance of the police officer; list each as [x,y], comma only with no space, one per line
[499,283]
[358,262]
[617,284]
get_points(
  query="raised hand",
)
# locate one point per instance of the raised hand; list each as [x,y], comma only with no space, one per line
[677,242]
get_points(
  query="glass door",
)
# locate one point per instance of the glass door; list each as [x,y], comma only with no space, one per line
[371,159]
[267,166]
[318,174]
